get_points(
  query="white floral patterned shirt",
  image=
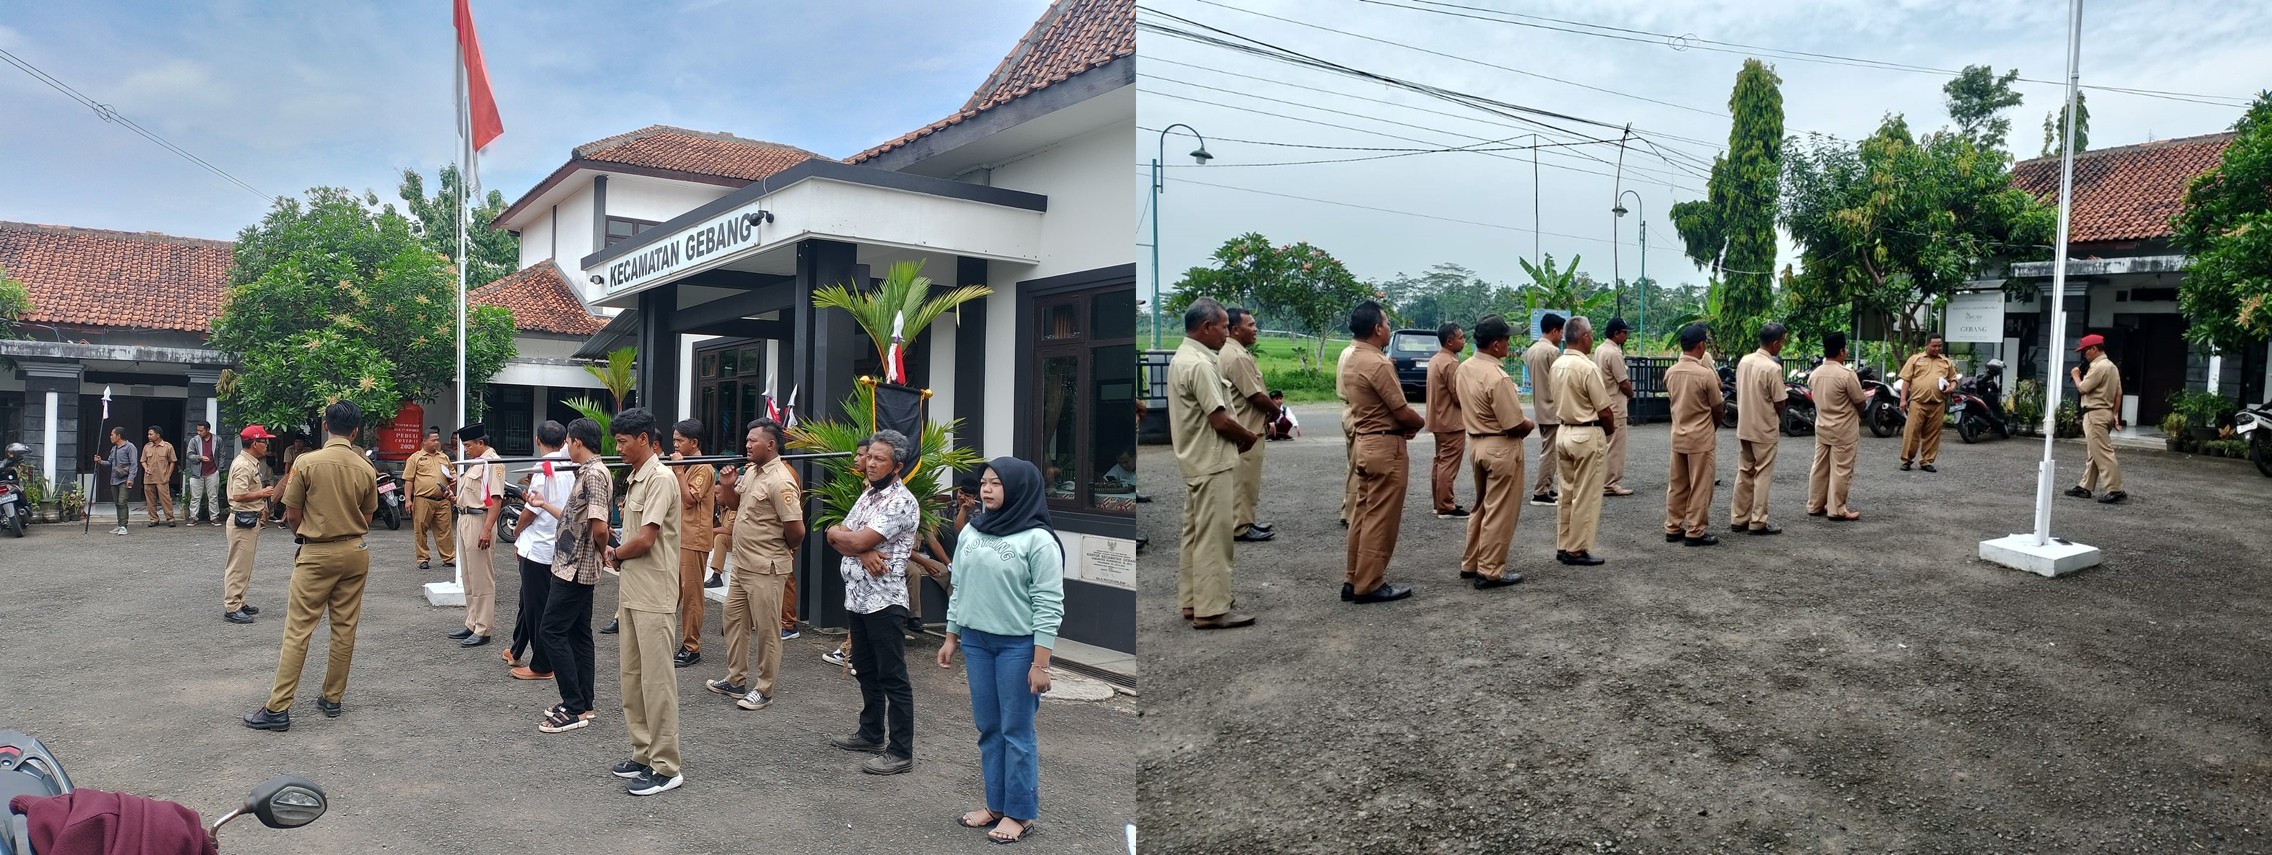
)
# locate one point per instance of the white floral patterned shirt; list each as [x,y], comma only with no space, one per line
[893,513]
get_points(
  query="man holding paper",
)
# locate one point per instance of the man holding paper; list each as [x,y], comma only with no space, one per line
[1926,380]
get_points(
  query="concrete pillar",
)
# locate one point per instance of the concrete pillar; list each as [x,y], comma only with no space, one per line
[51,402]
[657,370]
[970,360]
[824,343]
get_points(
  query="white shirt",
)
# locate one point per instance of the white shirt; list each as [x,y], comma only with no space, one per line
[536,544]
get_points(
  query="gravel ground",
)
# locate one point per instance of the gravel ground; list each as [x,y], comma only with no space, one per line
[1843,687]
[118,659]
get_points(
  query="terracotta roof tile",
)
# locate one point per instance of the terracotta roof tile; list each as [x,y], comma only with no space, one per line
[78,276]
[682,150]
[1074,36]
[2126,193]
[540,301]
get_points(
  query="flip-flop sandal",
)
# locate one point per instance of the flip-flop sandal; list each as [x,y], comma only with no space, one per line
[1025,830]
[963,819]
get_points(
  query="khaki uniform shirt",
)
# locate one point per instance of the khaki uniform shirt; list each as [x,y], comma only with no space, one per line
[1837,403]
[697,534]
[1239,370]
[650,581]
[158,461]
[1611,358]
[1370,393]
[1492,404]
[1444,396]
[422,475]
[2101,387]
[1196,388]
[1759,384]
[1580,393]
[768,499]
[244,477]
[1920,379]
[336,491]
[1695,389]
[1341,364]
[1540,360]
[478,483]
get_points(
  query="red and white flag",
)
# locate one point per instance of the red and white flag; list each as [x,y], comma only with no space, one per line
[896,370]
[478,123]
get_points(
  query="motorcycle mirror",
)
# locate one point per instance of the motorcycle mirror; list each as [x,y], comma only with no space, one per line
[286,801]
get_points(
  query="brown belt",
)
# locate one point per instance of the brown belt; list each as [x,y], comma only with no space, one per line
[473,510]
[1581,424]
[1382,433]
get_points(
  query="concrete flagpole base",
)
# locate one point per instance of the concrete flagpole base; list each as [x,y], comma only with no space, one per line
[445,594]
[2053,559]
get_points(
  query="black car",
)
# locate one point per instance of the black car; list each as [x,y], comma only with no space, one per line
[1410,351]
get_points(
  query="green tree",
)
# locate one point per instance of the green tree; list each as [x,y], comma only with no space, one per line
[1977,99]
[1447,292]
[1299,286]
[1563,290]
[2055,127]
[334,298]
[1889,227]
[490,254]
[2225,230]
[15,303]
[1731,233]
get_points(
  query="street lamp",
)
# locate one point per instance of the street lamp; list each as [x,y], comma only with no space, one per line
[1198,155]
[1641,310]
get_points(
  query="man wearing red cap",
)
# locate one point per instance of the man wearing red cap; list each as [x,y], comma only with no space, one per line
[248,499]
[2100,393]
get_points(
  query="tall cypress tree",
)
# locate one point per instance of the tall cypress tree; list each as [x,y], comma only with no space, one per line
[1732,232]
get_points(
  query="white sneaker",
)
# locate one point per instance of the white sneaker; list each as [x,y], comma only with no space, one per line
[833,657]
[753,701]
[119,530]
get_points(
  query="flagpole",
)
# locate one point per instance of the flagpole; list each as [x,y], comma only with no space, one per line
[465,144]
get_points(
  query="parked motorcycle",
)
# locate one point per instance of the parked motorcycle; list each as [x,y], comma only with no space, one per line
[1977,406]
[15,512]
[1728,393]
[509,519]
[2254,424]
[390,510]
[1881,405]
[27,768]
[1798,403]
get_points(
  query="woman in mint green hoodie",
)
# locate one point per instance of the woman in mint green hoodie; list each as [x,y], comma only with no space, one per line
[1008,598]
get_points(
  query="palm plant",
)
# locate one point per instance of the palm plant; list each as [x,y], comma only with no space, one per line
[841,487]
[591,409]
[617,377]
[903,299]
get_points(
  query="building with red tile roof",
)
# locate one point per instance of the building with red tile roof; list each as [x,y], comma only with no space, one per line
[1074,37]
[2127,193]
[78,276]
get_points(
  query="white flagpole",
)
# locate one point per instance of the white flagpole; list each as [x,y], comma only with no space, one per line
[2047,471]
[465,146]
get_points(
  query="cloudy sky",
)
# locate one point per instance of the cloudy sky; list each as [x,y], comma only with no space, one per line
[1675,98]
[286,96]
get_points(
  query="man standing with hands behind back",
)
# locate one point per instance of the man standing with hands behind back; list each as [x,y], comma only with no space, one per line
[426,477]
[1383,422]
[1926,379]
[1252,408]
[1760,398]
[1582,400]
[480,491]
[1493,417]
[1694,389]
[328,506]
[1447,421]
[1207,447]
[1837,428]
[1539,360]
[1609,353]
[648,559]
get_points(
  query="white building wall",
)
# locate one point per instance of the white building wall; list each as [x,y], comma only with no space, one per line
[536,239]
[575,241]
[658,199]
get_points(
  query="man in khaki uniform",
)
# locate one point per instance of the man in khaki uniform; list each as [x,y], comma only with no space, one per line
[1760,398]
[696,506]
[1926,379]
[425,477]
[1581,446]
[648,561]
[1837,428]
[768,524]
[1446,421]
[1539,360]
[1348,442]
[1207,446]
[158,462]
[1694,389]
[1372,401]
[2099,392]
[328,505]
[1250,406]
[248,497]
[1493,418]
[1610,355]
[480,493]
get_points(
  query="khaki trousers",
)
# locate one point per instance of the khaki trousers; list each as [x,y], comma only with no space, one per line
[1582,454]
[1922,436]
[650,691]
[480,575]
[753,597]
[1348,470]
[2098,425]
[1616,459]
[1377,516]
[154,496]
[1549,467]
[722,545]
[1450,447]
[1203,565]
[433,515]
[236,575]
[691,565]
[1688,492]
[326,578]
[1249,488]
[1755,472]
[1499,500]
[1829,479]
[789,599]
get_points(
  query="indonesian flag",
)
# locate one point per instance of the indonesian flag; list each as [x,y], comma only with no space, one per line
[477,115]
[791,406]
[106,403]
[896,369]
[772,409]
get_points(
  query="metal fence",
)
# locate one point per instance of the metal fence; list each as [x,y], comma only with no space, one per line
[1152,371]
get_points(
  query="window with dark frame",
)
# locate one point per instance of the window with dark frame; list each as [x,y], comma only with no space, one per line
[620,229]
[1085,395]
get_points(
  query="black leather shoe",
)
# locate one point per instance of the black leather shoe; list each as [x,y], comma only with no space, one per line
[1263,527]
[262,719]
[1821,513]
[1254,535]
[1673,537]
[685,658]
[1468,574]
[238,616]
[425,566]
[1579,559]
[2078,492]
[2112,498]
[449,564]
[1707,540]
[1905,466]
[250,609]
[475,641]
[1739,528]
[462,633]
[1766,530]
[1928,467]
[1348,592]
[609,629]
[1485,583]
[1385,593]
[330,708]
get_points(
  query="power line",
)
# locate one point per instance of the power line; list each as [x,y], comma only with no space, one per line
[1494,146]
[109,114]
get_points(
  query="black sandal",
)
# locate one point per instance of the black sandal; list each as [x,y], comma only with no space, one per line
[1025,830]
[560,721]
[963,819]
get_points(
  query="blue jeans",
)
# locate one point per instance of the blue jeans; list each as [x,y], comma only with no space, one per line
[1003,704]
